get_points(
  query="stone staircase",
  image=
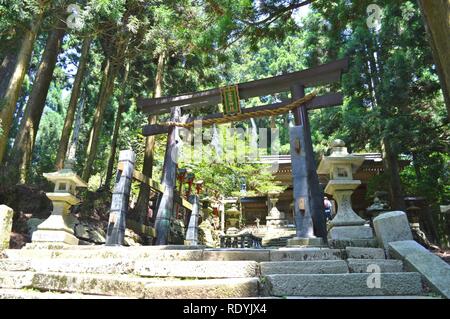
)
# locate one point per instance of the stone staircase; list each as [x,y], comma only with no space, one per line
[275,237]
[183,272]
[277,241]
[328,273]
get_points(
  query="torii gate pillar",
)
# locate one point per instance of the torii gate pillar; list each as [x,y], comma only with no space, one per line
[308,195]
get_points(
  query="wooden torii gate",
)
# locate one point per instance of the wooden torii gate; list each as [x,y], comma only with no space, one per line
[120,200]
[308,195]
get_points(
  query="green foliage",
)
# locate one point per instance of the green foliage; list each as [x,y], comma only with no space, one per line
[391,89]
[226,168]
[44,155]
[429,177]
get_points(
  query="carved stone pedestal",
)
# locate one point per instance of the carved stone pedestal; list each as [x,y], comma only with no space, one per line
[57,227]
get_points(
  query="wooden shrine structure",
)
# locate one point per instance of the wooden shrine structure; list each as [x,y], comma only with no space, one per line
[308,195]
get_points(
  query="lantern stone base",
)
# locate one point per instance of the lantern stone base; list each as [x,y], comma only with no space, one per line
[297,241]
[55,245]
[342,191]
[54,236]
[351,232]
[190,243]
[275,219]
[273,222]
[57,227]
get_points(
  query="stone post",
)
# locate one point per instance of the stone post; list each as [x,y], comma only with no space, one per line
[120,198]
[192,231]
[166,205]
[302,205]
[303,218]
[313,188]
[391,227]
[222,217]
[6,217]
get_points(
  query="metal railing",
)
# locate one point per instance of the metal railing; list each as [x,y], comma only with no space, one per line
[240,241]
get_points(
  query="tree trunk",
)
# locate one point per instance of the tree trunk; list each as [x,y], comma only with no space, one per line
[390,156]
[121,109]
[115,50]
[68,122]
[8,104]
[429,212]
[72,147]
[24,143]
[392,171]
[436,16]
[6,71]
[106,90]
[141,209]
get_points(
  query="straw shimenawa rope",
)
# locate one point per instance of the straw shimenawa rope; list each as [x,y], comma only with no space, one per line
[245,116]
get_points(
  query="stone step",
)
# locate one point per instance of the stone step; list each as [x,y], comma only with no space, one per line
[71,265]
[103,252]
[15,264]
[360,297]
[353,284]
[140,267]
[57,246]
[274,241]
[374,265]
[305,254]
[16,279]
[134,253]
[277,242]
[365,253]
[203,289]
[112,285]
[225,254]
[197,269]
[35,294]
[128,286]
[343,243]
[147,252]
[281,238]
[304,267]
[274,245]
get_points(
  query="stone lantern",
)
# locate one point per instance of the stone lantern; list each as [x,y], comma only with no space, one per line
[275,218]
[56,229]
[233,215]
[379,205]
[340,165]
